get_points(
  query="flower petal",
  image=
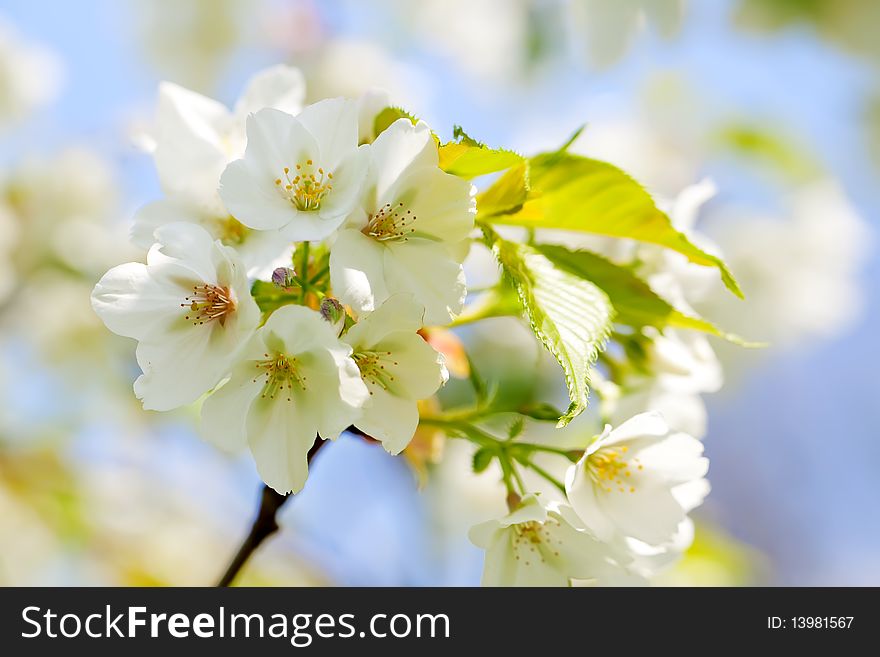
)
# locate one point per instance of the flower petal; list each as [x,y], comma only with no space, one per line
[225,411]
[187,245]
[132,299]
[690,495]
[443,205]
[400,146]
[333,123]
[390,419]
[336,391]
[180,370]
[280,435]
[502,568]
[425,270]
[299,329]
[417,368]
[582,496]
[342,200]
[189,153]
[281,87]
[643,425]
[399,313]
[275,140]
[483,533]
[674,460]
[649,513]
[574,552]
[357,270]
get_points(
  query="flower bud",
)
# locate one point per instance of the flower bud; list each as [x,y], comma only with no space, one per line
[333,311]
[283,277]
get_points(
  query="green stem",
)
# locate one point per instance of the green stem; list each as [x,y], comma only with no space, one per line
[460,422]
[459,428]
[317,277]
[516,475]
[453,418]
[508,473]
[546,475]
[304,271]
[571,455]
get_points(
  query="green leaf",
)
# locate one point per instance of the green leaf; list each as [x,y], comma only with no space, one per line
[540,411]
[569,315]
[388,116]
[501,301]
[507,194]
[516,428]
[635,303]
[270,297]
[467,158]
[571,192]
[482,458]
[481,391]
[573,138]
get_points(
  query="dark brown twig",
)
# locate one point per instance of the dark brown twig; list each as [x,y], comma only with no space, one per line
[265,524]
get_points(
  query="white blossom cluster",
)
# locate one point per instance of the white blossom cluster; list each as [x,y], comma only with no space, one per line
[240,188]
[363,238]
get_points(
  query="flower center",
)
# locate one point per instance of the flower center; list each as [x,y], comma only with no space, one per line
[610,467]
[372,367]
[305,187]
[208,302]
[281,372]
[532,539]
[230,230]
[390,222]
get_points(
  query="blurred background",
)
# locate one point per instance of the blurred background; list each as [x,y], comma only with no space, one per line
[776,101]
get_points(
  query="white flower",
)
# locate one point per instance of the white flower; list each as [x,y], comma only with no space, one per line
[196,136]
[409,237]
[801,272]
[683,411]
[302,174]
[190,309]
[399,368]
[261,250]
[683,362]
[294,381]
[370,104]
[627,481]
[650,560]
[670,274]
[540,545]
[647,561]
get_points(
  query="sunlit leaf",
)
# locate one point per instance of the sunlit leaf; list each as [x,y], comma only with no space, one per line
[635,303]
[388,116]
[468,158]
[482,458]
[507,194]
[571,192]
[569,315]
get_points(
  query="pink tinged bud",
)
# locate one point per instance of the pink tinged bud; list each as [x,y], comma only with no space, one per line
[333,311]
[283,277]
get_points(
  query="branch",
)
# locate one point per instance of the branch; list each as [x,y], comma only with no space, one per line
[265,524]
